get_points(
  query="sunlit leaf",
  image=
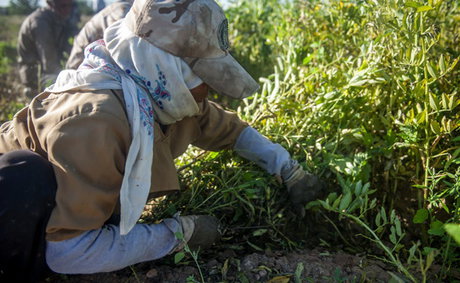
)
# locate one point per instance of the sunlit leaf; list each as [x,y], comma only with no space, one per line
[280,279]
[434,103]
[445,101]
[424,8]
[412,4]
[454,231]
[442,64]
[435,127]
[431,70]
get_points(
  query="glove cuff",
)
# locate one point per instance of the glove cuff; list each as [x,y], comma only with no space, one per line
[199,231]
[290,172]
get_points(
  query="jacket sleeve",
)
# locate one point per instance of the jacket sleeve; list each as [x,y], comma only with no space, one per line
[219,128]
[88,155]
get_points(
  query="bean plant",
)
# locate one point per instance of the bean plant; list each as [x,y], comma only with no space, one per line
[364,94]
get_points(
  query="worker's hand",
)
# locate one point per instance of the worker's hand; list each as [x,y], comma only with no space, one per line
[302,187]
[200,231]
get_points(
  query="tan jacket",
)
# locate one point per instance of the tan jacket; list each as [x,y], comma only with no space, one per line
[94,30]
[86,136]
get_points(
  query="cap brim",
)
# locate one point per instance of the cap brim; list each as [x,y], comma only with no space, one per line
[225,75]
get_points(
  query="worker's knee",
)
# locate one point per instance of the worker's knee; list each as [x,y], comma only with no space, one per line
[26,177]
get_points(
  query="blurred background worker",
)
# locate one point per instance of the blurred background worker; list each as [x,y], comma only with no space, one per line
[43,39]
[94,30]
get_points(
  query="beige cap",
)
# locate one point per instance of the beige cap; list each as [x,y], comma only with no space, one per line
[196,31]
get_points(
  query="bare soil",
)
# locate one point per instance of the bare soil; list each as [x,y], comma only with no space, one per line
[317,265]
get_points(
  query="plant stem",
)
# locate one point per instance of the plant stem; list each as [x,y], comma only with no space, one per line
[393,259]
[427,152]
[336,229]
[195,259]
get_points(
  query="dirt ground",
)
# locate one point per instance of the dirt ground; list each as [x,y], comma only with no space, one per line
[315,265]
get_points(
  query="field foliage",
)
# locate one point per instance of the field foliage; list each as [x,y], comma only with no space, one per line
[364,94]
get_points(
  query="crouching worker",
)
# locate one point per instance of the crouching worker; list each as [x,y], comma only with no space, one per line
[95,144]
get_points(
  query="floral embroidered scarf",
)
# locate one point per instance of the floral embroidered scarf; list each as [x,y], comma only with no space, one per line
[145,73]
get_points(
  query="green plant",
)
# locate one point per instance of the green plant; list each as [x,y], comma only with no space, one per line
[22,7]
[181,254]
[7,57]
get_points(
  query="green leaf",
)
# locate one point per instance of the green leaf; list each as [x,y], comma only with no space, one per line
[445,103]
[259,232]
[378,219]
[373,203]
[325,205]
[421,117]
[431,70]
[452,102]
[332,197]
[436,228]
[212,155]
[434,102]
[384,215]
[358,188]
[179,235]
[412,4]
[420,216]
[431,256]
[454,231]
[355,204]
[178,257]
[398,227]
[298,272]
[257,248]
[345,201]
[393,235]
[412,251]
[280,279]
[424,8]
[365,188]
[435,127]
[392,216]
[337,202]
[242,277]
[442,64]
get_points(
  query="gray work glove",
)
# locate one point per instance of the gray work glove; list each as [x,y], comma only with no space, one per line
[302,186]
[200,231]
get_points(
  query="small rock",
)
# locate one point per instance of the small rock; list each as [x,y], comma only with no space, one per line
[212,263]
[152,273]
[263,273]
[248,264]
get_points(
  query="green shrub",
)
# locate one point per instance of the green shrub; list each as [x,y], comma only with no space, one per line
[7,57]
[365,94]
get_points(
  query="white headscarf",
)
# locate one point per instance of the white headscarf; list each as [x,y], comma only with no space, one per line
[125,61]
